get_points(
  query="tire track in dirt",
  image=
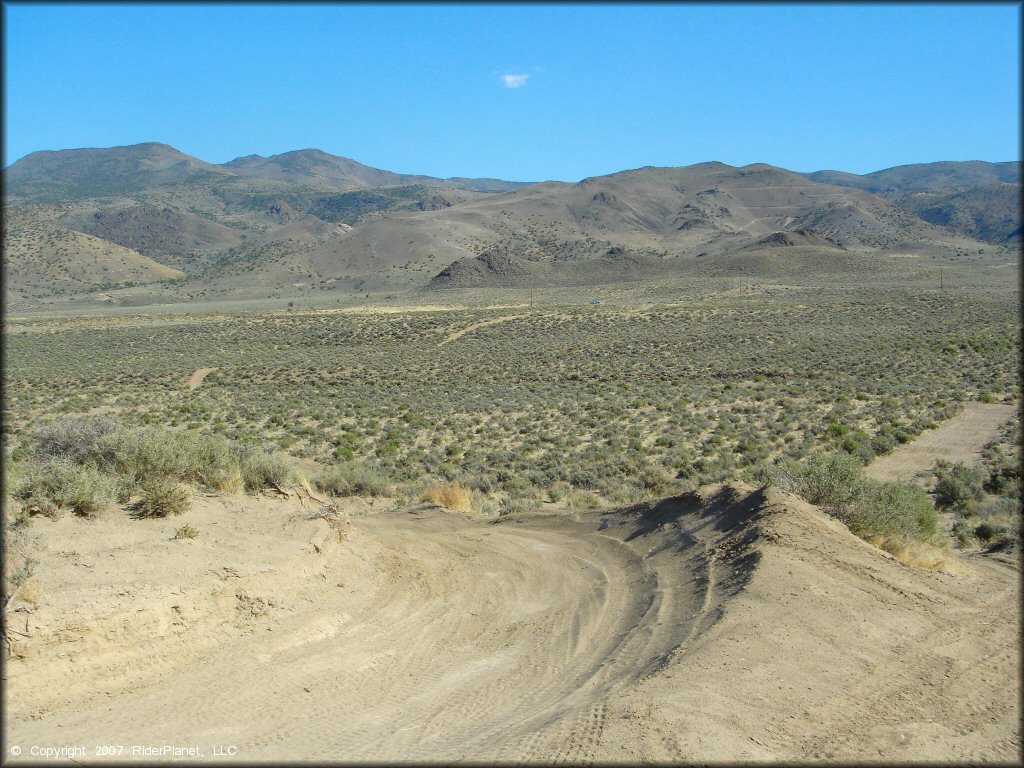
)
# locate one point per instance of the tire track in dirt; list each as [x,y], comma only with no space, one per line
[631,633]
[470,328]
[465,639]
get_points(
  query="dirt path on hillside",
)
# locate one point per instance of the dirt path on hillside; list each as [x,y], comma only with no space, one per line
[735,624]
[197,377]
[960,438]
[470,328]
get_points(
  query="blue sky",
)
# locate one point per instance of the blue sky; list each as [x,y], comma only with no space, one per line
[521,92]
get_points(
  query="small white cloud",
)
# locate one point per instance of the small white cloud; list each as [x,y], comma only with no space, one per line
[515,81]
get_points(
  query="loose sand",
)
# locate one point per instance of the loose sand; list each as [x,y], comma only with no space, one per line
[733,624]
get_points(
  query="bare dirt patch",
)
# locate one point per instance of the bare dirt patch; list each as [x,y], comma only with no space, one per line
[961,438]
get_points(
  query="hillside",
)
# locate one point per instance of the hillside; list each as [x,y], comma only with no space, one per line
[77,173]
[988,213]
[307,221]
[311,167]
[41,258]
[981,200]
[165,234]
[940,177]
[80,173]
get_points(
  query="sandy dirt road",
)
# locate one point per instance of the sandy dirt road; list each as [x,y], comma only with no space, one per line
[197,377]
[731,624]
[470,328]
[960,438]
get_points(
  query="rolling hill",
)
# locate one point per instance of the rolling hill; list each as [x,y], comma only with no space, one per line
[309,221]
[164,234]
[981,200]
[42,258]
[70,174]
[941,177]
[79,173]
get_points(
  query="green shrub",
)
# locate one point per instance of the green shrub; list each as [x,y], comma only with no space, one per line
[513,506]
[1004,480]
[958,485]
[149,453]
[143,455]
[70,437]
[354,480]
[1001,507]
[894,508]
[964,533]
[61,483]
[657,480]
[265,469]
[834,482]
[214,462]
[164,497]
[185,532]
[837,483]
[989,531]
[344,452]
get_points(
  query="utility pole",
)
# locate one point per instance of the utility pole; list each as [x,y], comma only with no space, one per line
[942,286]
[531,298]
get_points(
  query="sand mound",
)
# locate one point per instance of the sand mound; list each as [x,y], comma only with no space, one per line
[727,624]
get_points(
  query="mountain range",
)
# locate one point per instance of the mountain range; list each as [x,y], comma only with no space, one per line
[148,222]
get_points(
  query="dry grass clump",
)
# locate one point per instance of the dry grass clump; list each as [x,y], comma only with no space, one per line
[454,496]
[31,592]
[19,568]
[919,554]
[186,532]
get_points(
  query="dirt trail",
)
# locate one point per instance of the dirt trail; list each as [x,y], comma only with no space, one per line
[732,624]
[460,333]
[960,438]
[197,377]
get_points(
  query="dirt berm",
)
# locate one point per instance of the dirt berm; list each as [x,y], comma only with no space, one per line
[729,624]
